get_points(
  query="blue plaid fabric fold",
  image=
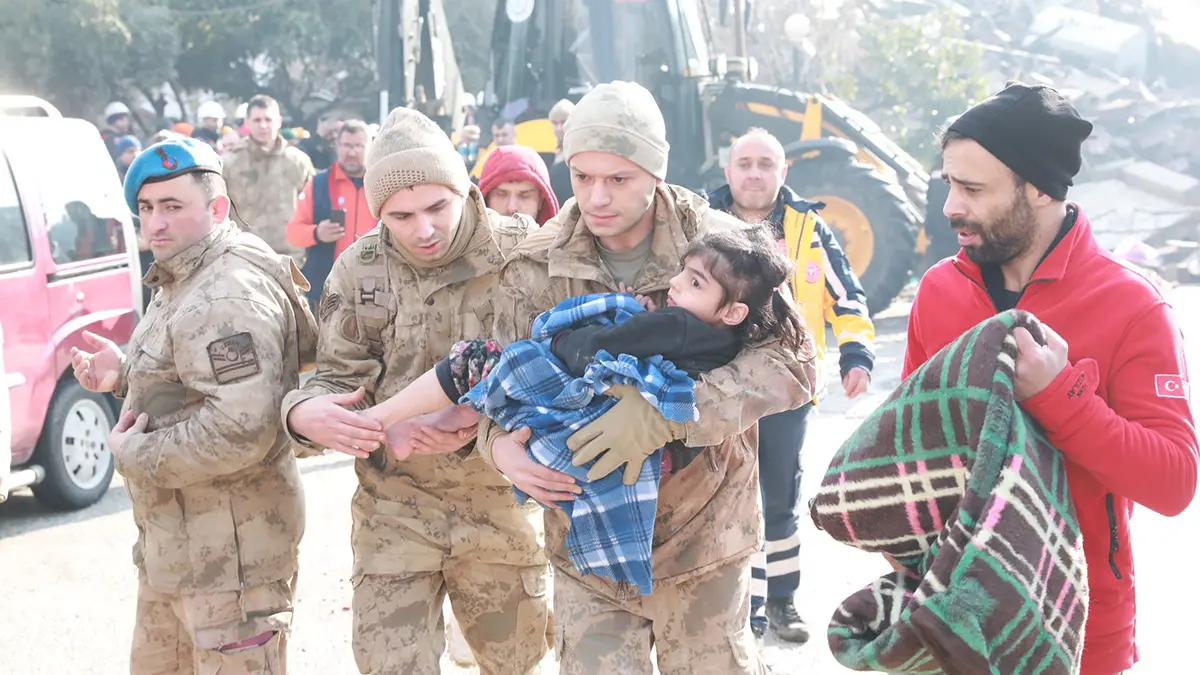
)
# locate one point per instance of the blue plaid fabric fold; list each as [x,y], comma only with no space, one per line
[612,524]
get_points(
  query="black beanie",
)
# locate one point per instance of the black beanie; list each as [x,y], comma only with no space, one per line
[1032,129]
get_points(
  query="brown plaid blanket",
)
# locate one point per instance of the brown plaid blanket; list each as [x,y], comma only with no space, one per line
[952,479]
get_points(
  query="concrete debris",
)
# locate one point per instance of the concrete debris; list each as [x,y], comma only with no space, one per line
[1131,68]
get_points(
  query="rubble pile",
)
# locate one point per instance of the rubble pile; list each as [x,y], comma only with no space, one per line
[1133,68]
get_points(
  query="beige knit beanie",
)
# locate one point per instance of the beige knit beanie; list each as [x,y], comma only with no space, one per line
[410,149]
[621,118]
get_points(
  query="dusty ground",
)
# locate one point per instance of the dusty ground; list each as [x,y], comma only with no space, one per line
[69,584]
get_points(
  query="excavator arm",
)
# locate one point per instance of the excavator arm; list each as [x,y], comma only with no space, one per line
[417,67]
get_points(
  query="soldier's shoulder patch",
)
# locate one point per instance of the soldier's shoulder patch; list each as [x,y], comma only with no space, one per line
[233,358]
[329,304]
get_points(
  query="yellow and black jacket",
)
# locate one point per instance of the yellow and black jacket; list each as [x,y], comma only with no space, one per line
[824,285]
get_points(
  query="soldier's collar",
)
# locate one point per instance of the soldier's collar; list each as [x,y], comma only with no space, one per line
[184,264]
[574,254]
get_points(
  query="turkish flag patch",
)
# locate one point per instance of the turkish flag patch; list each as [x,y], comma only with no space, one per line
[1170,386]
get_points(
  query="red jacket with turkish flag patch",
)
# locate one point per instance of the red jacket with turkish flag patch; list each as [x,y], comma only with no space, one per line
[1119,411]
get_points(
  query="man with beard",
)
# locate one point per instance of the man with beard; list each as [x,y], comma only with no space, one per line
[315,226]
[826,289]
[1115,402]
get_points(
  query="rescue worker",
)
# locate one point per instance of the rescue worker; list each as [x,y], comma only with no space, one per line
[515,180]
[629,229]
[210,115]
[118,122]
[826,289]
[338,188]
[431,525]
[265,177]
[1109,386]
[216,493]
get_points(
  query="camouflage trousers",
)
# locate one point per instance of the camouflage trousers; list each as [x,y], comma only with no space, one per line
[698,626]
[206,634]
[501,610]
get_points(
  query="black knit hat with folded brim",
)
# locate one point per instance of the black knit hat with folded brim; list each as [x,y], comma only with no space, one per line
[1032,129]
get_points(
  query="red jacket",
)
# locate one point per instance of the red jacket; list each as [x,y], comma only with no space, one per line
[1119,413]
[343,194]
[517,162]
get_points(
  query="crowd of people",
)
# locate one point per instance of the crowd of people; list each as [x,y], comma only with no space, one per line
[603,382]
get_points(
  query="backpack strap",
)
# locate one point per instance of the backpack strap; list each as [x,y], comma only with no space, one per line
[321,200]
[374,304]
[319,260]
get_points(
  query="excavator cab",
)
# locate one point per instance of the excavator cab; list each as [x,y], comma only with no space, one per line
[546,50]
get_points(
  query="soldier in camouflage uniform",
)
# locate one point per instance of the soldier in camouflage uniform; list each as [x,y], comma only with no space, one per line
[266,176]
[628,229]
[394,304]
[216,494]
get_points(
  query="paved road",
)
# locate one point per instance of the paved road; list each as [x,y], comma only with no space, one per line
[69,586]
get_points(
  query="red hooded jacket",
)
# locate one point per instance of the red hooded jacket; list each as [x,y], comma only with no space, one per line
[517,162]
[1119,411]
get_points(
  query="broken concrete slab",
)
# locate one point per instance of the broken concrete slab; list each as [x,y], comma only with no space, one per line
[1118,210]
[1161,181]
[1099,41]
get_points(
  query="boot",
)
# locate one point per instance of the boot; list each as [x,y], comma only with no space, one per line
[786,621]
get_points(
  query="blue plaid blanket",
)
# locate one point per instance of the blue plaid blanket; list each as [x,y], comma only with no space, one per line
[612,524]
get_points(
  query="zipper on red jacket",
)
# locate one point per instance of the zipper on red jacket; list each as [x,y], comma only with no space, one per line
[1114,544]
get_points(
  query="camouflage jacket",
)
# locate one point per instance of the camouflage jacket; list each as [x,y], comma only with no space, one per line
[384,323]
[708,512]
[216,495]
[264,184]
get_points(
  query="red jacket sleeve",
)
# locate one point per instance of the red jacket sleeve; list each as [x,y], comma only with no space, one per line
[301,231]
[914,353]
[1141,442]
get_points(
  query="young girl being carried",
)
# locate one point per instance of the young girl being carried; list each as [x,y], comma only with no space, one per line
[726,294]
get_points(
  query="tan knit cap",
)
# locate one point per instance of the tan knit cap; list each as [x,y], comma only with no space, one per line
[409,150]
[561,111]
[620,118]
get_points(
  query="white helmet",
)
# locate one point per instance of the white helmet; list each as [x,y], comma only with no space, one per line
[210,110]
[241,112]
[115,108]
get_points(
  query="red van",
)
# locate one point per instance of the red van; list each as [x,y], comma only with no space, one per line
[68,263]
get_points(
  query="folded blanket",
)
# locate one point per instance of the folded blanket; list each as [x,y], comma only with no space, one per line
[950,477]
[612,525]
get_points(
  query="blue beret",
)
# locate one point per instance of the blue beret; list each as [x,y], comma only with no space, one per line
[170,158]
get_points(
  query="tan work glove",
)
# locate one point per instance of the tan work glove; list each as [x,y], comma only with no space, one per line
[627,434]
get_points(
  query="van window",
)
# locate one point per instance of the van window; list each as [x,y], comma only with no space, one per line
[79,192]
[14,237]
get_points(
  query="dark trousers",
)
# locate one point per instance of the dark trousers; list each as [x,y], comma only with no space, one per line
[776,570]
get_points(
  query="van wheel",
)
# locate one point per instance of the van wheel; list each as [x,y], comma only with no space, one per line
[73,449]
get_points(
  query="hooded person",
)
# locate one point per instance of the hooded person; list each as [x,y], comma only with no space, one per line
[515,180]
[395,302]
[628,229]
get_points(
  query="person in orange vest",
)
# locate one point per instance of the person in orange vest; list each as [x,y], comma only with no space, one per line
[331,213]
